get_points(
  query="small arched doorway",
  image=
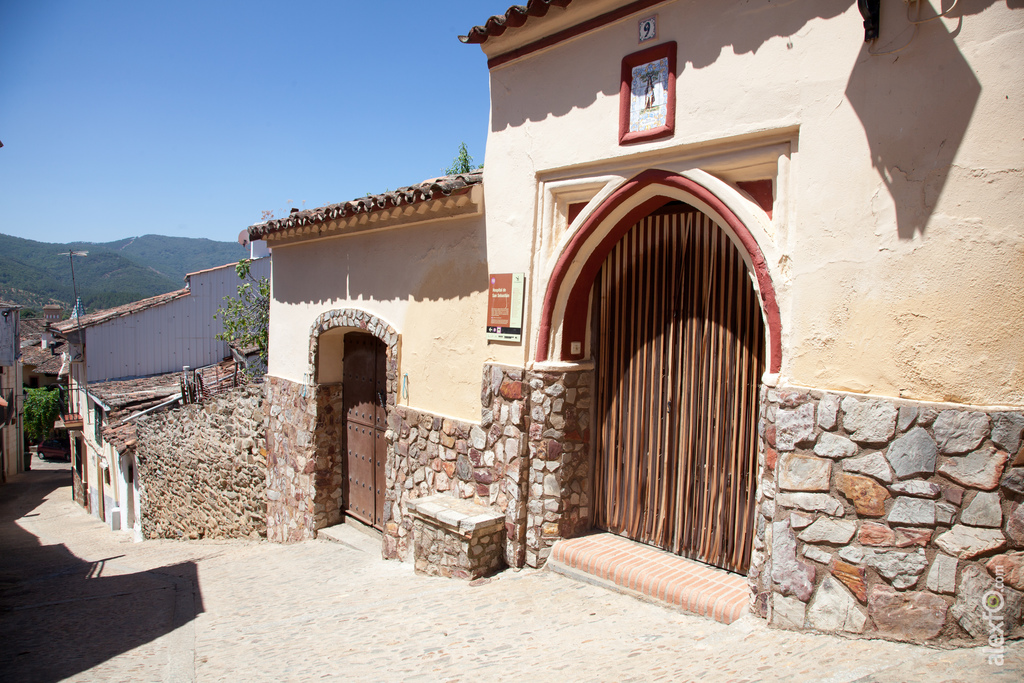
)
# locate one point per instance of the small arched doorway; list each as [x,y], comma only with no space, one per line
[353,356]
[679,344]
[365,414]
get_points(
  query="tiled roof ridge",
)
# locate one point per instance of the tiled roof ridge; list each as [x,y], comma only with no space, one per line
[514,17]
[97,317]
[411,194]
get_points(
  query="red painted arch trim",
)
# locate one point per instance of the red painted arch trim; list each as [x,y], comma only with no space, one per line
[574,323]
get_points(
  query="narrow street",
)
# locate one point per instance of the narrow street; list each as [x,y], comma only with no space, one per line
[256,611]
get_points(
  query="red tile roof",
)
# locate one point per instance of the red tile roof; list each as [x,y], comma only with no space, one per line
[128,396]
[43,361]
[71,324]
[514,17]
[32,328]
[444,186]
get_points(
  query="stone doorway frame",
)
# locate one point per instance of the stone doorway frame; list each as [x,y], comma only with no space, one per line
[326,436]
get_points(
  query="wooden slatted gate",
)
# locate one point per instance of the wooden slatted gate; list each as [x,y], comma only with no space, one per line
[365,386]
[680,348]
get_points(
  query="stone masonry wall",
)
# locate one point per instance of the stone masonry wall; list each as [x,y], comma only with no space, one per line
[503,397]
[479,462]
[888,518]
[290,414]
[327,469]
[203,468]
[558,502]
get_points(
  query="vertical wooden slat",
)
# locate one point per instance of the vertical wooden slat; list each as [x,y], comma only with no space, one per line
[681,349]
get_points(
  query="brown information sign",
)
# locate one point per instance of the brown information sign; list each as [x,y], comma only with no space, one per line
[505,307]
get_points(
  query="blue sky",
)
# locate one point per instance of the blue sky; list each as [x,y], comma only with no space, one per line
[189,118]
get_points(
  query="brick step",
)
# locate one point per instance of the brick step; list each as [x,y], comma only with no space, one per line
[630,567]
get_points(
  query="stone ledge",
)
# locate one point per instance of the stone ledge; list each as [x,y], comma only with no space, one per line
[456,514]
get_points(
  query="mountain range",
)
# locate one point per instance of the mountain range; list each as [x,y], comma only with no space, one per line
[34,274]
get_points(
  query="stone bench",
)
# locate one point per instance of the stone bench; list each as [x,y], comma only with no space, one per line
[457,538]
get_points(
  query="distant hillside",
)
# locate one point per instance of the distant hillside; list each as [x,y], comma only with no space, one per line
[36,273]
[172,256]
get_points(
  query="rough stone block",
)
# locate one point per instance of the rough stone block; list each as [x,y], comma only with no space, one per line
[913,615]
[900,568]
[851,554]
[959,431]
[867,496]
[787,612]
[869,421]
[984,510]
[942,574]
[827,530]
[834,446]
[1006,431]
[907,417]
[873,465]
[908,536]
[1015,525]
[912,512]
[791,576]
[980,470]
[1013,481]
[794,427]
[853,577]
[980,599]
[815,553]
[828,411]
[802,473]
[833,609]
[968,542]
[916,488]
[1008,568]
[811,502]
[912,454]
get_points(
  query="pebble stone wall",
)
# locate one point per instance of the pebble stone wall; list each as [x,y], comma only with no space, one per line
[202,468]
[290,414]
[889,519]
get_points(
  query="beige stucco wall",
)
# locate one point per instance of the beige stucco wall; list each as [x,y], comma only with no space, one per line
[427,280]
[896,245]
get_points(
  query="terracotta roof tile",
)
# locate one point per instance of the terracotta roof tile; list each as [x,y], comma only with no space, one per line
[32,328]
[125,397]
[514,17]
[125,393]
[43,361]
[444,186]
[106,314]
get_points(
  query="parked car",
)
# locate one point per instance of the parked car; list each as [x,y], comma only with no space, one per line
[54,449]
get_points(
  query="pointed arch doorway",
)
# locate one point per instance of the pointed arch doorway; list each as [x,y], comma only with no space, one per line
[680,349]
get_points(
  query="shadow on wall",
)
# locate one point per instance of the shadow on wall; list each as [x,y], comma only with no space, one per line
[59,614]
[915,106]
[743,26]
[438,262]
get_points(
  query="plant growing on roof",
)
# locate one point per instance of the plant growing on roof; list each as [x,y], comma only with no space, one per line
[462,163]
[246,317]
[42,408]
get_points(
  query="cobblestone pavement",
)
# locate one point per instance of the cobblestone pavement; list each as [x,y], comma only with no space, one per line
[81,603]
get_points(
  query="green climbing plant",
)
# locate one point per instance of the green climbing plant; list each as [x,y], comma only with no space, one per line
[246,317]
[42,408]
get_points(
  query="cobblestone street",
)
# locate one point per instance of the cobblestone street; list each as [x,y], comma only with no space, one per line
[78,602]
